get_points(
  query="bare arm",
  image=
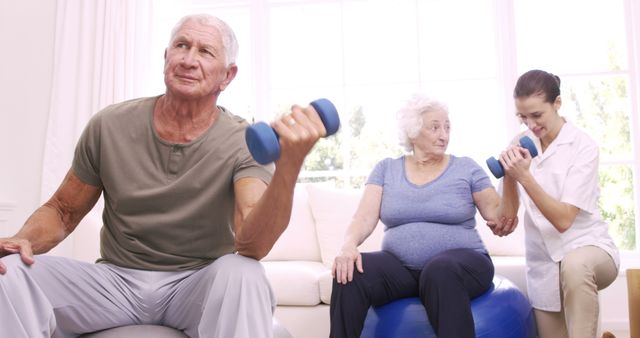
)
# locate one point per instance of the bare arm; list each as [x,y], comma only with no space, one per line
[500,212]
[560,214]
[262,212]
[510,192]
[362,225]
[53,221]
[366,217]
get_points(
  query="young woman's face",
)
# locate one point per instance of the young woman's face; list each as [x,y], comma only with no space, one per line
[539,116]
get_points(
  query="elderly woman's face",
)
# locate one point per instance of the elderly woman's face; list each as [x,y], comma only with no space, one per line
[433,137]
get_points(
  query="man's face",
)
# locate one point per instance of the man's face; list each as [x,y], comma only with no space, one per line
[195,65]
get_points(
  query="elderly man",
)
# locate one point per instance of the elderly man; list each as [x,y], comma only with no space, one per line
[188,212]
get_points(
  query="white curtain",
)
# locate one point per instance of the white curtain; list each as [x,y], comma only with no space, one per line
[101,57]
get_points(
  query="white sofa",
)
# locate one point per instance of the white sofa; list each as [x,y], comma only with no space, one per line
[299,264]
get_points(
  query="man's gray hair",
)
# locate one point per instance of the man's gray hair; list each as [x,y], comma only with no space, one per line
[229,41]
[410,117]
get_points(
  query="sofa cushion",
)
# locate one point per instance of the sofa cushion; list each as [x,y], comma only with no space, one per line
[326,286]
[513,269]
[295,282]
[299,241]
[332,210]
[305,321]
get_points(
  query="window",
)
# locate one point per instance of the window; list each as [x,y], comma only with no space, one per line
[593,62]
[368,57]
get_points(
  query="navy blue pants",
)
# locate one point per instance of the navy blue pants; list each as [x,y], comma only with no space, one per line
[445,285]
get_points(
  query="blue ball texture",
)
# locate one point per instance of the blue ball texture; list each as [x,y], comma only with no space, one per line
[501,312]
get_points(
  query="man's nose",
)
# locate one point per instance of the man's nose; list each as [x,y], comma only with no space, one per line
[189,58]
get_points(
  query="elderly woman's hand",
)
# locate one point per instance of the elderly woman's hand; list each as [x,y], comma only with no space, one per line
[503,227]
[343,264]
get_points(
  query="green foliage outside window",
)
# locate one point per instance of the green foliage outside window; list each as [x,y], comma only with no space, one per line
[602,109]
[616,204]
[362,150]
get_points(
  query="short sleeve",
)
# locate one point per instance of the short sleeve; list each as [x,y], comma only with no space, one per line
[479,178]
[581,185]
[377,175]
[248,167]
[86,158]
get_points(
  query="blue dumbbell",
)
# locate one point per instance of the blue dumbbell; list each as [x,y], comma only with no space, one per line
[496,167]
[263,142]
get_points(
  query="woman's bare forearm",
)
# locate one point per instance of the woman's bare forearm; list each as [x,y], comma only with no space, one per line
[509,201]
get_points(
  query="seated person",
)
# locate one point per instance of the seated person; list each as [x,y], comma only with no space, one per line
[188,212]
[570,254]
[431,249]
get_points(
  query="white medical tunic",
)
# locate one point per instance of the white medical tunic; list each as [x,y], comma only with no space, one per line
[568,172]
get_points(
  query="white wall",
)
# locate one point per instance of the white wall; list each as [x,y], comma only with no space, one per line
[27,29]
[614,307]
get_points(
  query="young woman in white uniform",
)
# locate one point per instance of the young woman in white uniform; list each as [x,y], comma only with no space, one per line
[570,255]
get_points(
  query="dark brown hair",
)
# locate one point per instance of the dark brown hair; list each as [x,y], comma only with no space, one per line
[537,82]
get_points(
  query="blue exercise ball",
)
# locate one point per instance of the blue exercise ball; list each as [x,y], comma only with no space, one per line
[501,312]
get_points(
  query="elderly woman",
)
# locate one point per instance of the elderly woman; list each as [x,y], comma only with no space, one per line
[427,200]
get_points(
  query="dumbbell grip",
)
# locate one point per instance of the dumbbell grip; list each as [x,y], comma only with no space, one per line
[496,167]
[262,140]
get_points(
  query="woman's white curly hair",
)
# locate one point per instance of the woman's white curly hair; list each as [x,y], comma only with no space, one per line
[410,117]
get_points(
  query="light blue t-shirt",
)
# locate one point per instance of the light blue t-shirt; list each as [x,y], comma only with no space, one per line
[424,220]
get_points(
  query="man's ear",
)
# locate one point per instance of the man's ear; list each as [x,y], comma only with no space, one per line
[232,71]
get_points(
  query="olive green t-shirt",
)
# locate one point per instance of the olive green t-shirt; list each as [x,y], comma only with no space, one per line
[167,206]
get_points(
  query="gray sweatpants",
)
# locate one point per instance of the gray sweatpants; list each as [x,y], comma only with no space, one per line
[62,297]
